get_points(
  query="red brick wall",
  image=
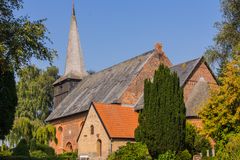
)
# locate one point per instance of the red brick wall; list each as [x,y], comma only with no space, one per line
[71,127]
[135,89]
[201,71]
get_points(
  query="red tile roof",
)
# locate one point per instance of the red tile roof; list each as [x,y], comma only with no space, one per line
[119,121]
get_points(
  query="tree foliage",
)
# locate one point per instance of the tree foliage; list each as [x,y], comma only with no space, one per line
[21,39]
[162,121]
[8,102]
[25,128]
[35,92]
[132,151]
[21,149]
[194,142]
[221,114]
[231,150]
[227,41]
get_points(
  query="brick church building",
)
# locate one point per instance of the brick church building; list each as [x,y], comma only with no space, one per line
[95,114]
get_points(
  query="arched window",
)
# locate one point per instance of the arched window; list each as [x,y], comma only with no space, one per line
[60,129]
[69,147]
[92,129]
[59,135]
[99,148]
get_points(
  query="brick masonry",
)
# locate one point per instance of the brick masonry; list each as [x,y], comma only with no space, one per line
[201,72]
[135,89]
[87,143]
[67,132]
[71,126]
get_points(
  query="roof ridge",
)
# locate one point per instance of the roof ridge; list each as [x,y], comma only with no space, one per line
[143,54]
[186,61]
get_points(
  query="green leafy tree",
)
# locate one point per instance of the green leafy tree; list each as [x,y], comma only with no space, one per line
[31,130]
[20,41]
[194,142]
[8,101]
[231,150]
[132,151]
[162,121]
[227,41]
[35,92]
[220,114]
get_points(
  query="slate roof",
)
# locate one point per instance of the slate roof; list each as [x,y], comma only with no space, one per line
[105,86]
[183,71]
[119,121]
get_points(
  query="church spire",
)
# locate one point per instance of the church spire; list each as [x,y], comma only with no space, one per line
[74,62]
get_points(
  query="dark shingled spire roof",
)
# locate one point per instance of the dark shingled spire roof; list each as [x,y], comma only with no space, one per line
[183,70]
[105,86]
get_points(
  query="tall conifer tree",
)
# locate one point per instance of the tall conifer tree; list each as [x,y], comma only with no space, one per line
[162,121]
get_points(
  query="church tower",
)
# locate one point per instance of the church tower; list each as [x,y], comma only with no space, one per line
[74,67]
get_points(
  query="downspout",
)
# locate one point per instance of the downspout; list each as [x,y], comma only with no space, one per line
[110,146]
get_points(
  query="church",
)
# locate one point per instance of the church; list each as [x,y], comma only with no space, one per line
[95,114]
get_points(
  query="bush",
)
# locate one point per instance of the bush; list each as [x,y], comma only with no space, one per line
[19,158]
[169,155]
[21,149]
[194,142]
[6,153]
[184,155]
[201,145]
[46,149]
[68,156]
[132,151]
[34,146]
[231,150]
[39,154]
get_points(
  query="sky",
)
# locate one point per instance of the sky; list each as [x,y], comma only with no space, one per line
[112,31]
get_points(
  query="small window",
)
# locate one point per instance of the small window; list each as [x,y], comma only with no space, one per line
[99,148]
[92,130]
[69,147]
[60,129]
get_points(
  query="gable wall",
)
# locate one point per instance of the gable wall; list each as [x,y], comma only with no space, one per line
[201,71]
[135,89]
[87,143]
[71,127]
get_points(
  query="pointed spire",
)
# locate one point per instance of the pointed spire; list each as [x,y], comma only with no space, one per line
[73,9]
[74,62]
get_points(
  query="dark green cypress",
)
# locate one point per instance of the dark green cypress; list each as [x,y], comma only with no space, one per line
[8,101]
[162,121]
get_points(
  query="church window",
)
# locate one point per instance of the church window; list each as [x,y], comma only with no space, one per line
[69,147]
[92,129]
[99,148]
[60,129]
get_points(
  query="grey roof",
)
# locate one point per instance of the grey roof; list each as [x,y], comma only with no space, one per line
[198,95]
[183,71]
[105,86]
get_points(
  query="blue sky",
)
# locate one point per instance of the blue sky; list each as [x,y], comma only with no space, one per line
[112,31]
